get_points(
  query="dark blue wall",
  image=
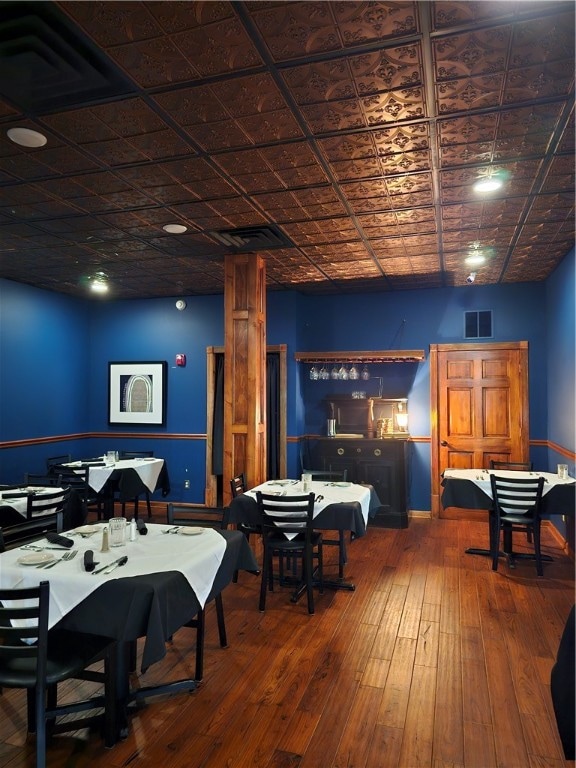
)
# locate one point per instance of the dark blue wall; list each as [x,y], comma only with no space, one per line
[54,354]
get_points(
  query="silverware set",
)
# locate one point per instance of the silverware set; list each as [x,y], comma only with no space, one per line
[173,530]
[52,563]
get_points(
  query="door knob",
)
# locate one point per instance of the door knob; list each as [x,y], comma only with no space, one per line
[443,443]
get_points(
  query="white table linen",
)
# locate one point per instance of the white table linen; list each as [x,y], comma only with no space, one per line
[148,470]
[330,493]
[196,557]
[481,477]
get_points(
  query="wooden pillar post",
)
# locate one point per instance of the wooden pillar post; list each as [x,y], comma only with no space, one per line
[244,370]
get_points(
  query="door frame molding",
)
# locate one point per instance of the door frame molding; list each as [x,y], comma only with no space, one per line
[211,491]
[435,349]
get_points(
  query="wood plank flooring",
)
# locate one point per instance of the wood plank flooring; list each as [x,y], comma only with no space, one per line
[434,660]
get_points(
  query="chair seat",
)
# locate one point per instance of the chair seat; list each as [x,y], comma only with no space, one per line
[67,653]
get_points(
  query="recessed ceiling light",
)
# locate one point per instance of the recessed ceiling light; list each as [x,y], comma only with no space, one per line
[477,258]
[26,137]
[99,283]
[488,184]
[174,229]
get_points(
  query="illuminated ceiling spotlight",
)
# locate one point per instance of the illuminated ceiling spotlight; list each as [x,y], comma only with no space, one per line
[175,229]
[475,255]
[489,183]
[99,283]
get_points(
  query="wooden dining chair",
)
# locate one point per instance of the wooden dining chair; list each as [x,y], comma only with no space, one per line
[238,485]
[77,480]
[288,532]
[35,659]
[516,507]
[201,517]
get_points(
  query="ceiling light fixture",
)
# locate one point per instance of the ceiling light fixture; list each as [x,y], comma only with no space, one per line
[26,137]
[475,259]
[174,229]
[488,184]
[99,283]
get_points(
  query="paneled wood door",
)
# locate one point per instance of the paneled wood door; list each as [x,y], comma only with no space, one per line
[481,392]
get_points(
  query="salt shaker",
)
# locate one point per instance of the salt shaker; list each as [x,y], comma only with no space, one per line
[133,529]
[105,547]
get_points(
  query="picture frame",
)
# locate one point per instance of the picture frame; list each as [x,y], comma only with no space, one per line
[137,393]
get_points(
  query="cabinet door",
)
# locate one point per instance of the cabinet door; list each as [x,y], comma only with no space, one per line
[383,473]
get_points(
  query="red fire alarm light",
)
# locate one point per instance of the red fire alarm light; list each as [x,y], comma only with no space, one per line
[181,360]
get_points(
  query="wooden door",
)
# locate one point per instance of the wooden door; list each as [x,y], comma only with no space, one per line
[481,392]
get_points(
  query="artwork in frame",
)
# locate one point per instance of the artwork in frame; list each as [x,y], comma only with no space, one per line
[137,393]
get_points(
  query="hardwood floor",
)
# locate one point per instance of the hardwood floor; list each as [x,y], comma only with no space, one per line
[434,660]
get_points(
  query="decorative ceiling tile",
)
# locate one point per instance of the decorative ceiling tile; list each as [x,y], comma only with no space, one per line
[357,129]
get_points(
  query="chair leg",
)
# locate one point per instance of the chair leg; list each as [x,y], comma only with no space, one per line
[495,542]
[221,623]
[264,580]
[537,551]
[148,506]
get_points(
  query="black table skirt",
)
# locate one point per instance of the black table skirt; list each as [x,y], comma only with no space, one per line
[465,494]
[153,606]
[341,516]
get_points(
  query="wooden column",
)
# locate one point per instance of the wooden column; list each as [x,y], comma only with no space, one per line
[244,370]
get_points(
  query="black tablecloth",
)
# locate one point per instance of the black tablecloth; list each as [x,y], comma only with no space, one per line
[155,605]
[559,500]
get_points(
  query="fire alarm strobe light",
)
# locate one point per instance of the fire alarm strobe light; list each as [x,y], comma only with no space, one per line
[181,360]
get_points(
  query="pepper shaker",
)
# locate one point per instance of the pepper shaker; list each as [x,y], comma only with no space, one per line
[133,529]
[105,547]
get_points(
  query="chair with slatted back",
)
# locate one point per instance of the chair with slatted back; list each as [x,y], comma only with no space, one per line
[45,481]
[515,466]
[327,475]
[238,485]
[76,478]
[145,492]
[36,659]
[288,532]
[54,461]
[516,508]
[201,517]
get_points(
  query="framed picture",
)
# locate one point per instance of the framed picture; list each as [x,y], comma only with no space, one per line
[137,393]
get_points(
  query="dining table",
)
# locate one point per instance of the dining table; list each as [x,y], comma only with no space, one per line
[14,504]
[124,479]
[169,575]
[338,506]
[471,489]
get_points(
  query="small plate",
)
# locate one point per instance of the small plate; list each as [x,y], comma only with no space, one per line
[87,529]
[190,531]
[342,485]
[35,558]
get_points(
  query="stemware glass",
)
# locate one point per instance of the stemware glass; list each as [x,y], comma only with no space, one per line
[334,373]
[353,374]
[324,373]
[343,373]
[314,373]
[365,373]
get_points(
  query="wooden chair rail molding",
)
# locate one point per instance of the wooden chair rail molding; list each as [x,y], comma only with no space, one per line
[373,356]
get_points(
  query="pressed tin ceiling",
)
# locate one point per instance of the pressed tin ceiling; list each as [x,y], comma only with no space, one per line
[340,140]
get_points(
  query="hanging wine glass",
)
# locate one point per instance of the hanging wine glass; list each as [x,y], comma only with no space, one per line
[365,373]
[343,373]
[314,373]
[324,373]
[334,373]
[353,373]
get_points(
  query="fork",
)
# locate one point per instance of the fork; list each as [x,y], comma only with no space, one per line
[65,556]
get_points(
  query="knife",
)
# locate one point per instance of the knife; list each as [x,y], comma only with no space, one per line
[114,563]
[117,564]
